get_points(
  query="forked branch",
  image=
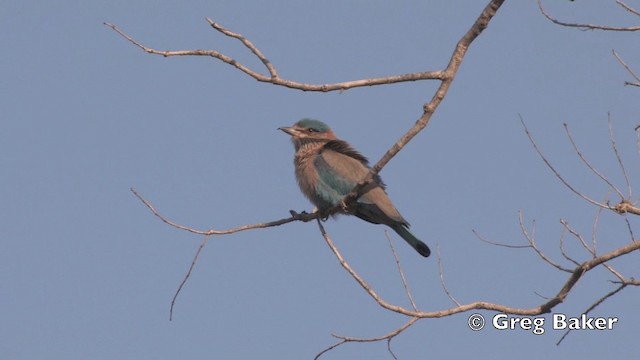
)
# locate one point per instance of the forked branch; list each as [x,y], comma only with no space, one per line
[273,77]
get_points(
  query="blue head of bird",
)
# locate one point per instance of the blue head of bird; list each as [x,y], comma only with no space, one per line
[308,131]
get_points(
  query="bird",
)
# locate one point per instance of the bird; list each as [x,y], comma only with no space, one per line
[328,168]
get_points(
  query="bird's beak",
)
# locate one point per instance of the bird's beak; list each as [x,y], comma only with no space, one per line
[289,130]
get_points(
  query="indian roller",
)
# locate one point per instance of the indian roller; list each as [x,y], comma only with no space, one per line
[328,168]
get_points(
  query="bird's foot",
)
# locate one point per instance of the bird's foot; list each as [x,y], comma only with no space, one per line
[302,216]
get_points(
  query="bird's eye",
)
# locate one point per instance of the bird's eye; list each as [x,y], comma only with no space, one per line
[311,130]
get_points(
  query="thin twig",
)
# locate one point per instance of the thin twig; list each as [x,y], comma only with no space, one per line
[390,350]
[187,275]
[591,251]
[585,26]
[295,217]
[624,64]
[588,164]
[593,306]
[329,349]
[614,272]
[441,272]
[594,243]
[246,42]
[612,139]
[404,280]
[359,279]
[541,296]
[481,238]
[532,242]
[556,173]
[389,335]
[564,254]
[594,229]
[629,70]
[630,230]
[628,8]
[578,236]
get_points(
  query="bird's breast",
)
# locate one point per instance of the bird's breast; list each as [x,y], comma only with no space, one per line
[309,180]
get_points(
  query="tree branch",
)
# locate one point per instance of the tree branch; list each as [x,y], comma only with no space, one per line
[585,26]
[429,108]
[305,217]
[588,164]
[557,174]
[576,274]
[628,8]
[594,305]
[273,76]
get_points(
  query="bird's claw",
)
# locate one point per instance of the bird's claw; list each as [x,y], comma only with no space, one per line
[295,213]
[303,216]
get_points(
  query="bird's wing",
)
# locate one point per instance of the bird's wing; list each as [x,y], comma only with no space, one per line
[344,148]
[338,171]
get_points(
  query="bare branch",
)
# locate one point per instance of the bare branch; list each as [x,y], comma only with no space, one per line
[614,272]
[612,139]
[577,236]
[448,75]
[628,8]
[499,244]
[383,337]
[359,279]
[564,254]
[388,337]
[295,217]
[329,349]
[248,44]
[594,228]
[576,275]
[444,285]
[629,70]
[389,348]
[273,76]
[404,280]
[590,250]
[596,220]
[594,305]
[585,26]
[546,161]
[187,275]
[532,242]
[637,130]
[585,267]
[630,230]
[588,164]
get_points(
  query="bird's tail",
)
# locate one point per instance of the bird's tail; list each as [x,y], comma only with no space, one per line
[420,247]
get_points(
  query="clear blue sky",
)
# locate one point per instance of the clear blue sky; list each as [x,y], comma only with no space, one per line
[86,272]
